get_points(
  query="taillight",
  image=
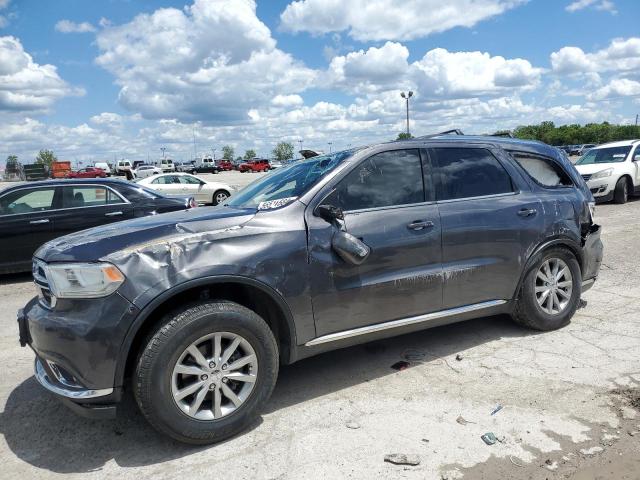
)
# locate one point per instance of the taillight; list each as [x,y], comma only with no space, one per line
[192,203]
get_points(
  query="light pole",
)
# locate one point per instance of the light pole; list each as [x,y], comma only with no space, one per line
[329,143]
[163,150]
[300,142]
[407,97]
[214,154]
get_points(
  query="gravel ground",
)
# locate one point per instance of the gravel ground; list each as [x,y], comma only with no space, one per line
[568,401]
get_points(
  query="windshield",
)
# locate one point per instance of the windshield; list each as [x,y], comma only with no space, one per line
[290,181]
[604,155]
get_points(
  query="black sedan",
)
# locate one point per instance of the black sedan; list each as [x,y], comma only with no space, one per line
[36,212]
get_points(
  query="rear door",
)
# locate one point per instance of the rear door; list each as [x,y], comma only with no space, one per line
[26,222]
[86,206]
[490,219]
[386,205]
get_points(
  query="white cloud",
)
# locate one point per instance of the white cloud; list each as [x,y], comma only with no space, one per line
[389,19]
[67,26]
[213,61]
[604,5]
[287,101]
[616,88]
[621,55]
[26,85]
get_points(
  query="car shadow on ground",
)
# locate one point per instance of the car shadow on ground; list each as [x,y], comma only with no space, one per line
[43,433]
[15,278]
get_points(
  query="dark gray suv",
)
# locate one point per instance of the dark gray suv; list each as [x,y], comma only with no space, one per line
[194,311]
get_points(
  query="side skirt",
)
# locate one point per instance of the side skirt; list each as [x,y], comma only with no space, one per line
[333,337]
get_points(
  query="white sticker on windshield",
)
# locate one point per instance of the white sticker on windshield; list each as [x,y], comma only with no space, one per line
[619,155]
[271,204]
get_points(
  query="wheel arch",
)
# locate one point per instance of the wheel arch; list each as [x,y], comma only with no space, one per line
[255,295]
[565,242]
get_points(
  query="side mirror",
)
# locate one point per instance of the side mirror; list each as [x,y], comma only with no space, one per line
[329,213]
[349,248]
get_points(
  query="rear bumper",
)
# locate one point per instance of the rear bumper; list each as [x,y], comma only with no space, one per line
[592,252]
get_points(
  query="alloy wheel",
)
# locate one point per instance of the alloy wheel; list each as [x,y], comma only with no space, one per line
[214,376]
[221,197]
[554,285]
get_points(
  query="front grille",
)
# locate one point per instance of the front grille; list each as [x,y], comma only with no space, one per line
[586,177]
[42,284]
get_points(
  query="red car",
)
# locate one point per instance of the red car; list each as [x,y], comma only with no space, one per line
[254,166]
[88,172]
[225,165]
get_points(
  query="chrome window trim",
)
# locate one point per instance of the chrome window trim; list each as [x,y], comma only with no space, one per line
[333,337]
[387,207]
[124,200]
[481,197]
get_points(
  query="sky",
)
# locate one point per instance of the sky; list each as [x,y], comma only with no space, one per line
[104,80]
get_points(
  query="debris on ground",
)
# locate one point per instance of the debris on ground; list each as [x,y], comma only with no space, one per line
[549,465]
[591,451]
[413,355]
[489,438]
[402,459]
[353,425]
[497,409]
[401,365]
[425,440]
[608,439]
[459,357]
[514,462]
[581,304]
[462,421]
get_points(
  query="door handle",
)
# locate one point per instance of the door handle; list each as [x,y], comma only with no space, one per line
[527,212]
[112,214]
[420,224]
[39,222]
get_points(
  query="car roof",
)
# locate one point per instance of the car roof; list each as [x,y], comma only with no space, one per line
[507,143]
[75,181]
[622,143]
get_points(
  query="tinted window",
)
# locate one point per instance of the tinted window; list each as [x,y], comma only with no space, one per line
[88,196]
[189,180]
[604,155]
[382,180]
[27,201]
[468,172]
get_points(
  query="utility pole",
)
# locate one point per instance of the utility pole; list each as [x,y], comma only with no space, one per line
[636,119]
[163,149]
[329,143]
[407,97]
[214,153]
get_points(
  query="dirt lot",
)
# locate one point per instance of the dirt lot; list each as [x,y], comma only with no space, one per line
[569,398]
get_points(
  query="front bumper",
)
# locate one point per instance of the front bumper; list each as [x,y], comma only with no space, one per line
[601,189]
[77,344]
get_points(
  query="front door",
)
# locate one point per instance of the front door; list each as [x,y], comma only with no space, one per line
[490,222]
[387,206]
[26,222]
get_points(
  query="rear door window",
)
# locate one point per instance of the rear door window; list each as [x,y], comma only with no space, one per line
[467,173]
[88,196]
[543,171]
[386,179]
[27,201]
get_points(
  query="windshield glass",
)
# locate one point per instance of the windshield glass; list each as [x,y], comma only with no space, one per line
[290,181]
[604,155]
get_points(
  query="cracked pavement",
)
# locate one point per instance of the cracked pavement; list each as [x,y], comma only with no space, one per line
[340,413]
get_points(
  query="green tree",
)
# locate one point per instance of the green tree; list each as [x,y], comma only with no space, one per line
[404,136]
[227,152]
[46,157]
[249,154]
[283,151]
[12,159]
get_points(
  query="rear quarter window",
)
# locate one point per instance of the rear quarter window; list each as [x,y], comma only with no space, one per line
[543,171]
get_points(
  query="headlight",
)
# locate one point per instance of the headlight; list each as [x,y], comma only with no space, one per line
[602,173]
[83,280]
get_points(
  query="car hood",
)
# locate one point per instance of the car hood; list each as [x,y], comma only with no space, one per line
[595,167]
[122,238]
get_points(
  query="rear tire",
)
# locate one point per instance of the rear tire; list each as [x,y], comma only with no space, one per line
[621,193]
[219,197]
[535,310]
[218,406]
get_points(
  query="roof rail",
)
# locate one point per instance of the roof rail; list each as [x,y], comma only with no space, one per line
[455,131]
[502,134]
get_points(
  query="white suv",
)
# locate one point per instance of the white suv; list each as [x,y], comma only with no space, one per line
[612,170]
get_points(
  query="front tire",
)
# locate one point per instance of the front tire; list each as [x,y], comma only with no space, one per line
[550,292]
[621,193]
[206,372]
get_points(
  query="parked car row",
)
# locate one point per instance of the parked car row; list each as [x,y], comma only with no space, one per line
[178,183]
[573,150]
